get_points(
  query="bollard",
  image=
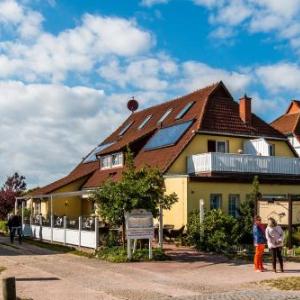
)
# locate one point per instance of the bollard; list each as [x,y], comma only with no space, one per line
[9,288]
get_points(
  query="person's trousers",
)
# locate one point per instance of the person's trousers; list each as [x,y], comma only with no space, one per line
[13,233]
[258,258]
[276,253]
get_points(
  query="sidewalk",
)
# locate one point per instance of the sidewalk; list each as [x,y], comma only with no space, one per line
[43,274]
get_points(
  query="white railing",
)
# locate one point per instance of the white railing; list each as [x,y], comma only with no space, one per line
[77,237]
[243,163]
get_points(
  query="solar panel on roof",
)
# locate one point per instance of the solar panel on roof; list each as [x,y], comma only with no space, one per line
[168,136]
[92,156]
[184,110]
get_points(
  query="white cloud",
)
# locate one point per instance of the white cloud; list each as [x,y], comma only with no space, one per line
[280,77]
[265,16]
[143,73]
[46,129]
[197,75]
[25,21]
[150,3]
[78,49]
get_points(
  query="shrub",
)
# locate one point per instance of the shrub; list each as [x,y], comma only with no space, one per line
[3,227]
[119,254]
[220,231]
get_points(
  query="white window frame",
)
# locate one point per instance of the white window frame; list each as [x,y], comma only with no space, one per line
[233,198]
[120,158]
[145,121]
[220,196]
[222,142]
[165,115]
[110,163]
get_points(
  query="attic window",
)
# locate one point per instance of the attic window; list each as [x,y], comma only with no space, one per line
[125,128]
[165,115]
[146,120]
[184,110]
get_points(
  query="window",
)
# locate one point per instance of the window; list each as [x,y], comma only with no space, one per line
[218,146]
[145,121]
[106,162]
[184,110]
[111,161]
[272,149]
[125,128]
[234,205]
[92,156]
[168,136]
[165,115]
[215,201]
[117,159]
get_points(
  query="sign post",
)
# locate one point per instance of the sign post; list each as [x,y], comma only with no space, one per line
[139,225]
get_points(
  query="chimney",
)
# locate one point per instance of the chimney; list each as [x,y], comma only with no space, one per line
[245,109]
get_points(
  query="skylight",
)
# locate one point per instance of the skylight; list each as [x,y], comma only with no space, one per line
[184,110]
[92,156]
[165,115]
[125,128]
[168,136]
[146,120]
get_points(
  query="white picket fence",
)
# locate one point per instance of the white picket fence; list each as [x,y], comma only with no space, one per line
[76,237]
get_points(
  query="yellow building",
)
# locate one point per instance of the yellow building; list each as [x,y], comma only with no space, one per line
[208,146]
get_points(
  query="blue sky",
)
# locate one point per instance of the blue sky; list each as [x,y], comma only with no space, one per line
[67,68]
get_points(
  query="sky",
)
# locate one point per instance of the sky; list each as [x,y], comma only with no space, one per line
[68,68]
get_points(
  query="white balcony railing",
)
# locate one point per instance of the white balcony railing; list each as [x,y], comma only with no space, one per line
[243,163]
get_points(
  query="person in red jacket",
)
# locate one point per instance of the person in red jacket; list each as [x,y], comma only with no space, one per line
[259,243]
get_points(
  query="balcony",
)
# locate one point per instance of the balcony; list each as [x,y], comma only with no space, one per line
[208,163]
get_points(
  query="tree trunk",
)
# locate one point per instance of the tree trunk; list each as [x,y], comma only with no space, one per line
[123,234]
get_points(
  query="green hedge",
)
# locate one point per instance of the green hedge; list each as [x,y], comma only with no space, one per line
[3,227]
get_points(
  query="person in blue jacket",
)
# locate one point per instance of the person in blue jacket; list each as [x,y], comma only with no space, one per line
[259,239]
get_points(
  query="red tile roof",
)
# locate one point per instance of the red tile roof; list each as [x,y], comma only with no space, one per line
[81,171]
[214,110]
[288,123]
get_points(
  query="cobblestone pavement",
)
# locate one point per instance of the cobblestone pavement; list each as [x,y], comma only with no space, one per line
[247,295]
[45,275]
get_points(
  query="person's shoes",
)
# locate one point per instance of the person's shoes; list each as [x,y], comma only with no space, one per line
[274,270]
[281,270]
[258,271]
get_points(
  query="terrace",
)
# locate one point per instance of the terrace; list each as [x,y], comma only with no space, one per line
[242,163]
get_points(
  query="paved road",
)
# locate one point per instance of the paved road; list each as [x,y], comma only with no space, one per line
[42,274]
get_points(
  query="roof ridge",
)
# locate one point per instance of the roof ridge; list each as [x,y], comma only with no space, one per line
[211,86]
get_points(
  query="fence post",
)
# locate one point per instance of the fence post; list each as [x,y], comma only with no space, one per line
[150,248]
[161,228]
[41,227]
[22,214]
[65,230]
[9,288]
[96,232]
[51,223]
[79,230]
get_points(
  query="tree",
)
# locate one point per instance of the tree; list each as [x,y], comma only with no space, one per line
[246,213]
[143,188]
[13,187]
[220,232]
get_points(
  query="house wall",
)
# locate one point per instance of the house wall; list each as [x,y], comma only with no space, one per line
[73,209]
[199,145]
[178,214]
[189,194]
[295,143]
